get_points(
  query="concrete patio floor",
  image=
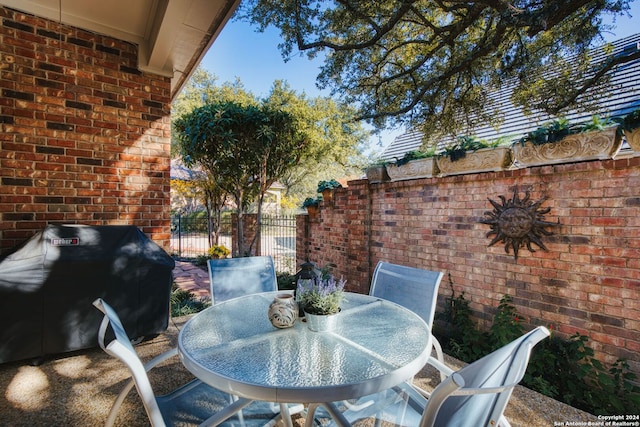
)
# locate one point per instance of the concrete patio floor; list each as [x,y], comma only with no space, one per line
[78,389]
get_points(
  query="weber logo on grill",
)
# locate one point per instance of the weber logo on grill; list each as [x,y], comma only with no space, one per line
[70,241]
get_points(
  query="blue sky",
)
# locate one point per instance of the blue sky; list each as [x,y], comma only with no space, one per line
[254,58]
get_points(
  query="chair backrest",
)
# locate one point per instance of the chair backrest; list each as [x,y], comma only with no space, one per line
[120,347]
[485,388]
[412,288]
[234,277]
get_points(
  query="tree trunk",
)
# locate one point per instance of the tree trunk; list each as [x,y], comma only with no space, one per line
[240,224]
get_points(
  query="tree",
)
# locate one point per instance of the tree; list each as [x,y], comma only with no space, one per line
[433,65]
[336,140]
[203,88]
[244,148]
[333,140]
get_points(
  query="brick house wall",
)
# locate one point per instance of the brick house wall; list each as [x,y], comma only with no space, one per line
[84,135]
[587,282]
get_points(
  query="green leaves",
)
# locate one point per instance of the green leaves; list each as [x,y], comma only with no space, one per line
[562,369]
[434,66]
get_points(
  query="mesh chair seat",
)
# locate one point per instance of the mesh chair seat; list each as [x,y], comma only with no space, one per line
[235,277]
[474,396]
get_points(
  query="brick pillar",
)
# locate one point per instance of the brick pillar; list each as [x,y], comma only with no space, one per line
[249,223]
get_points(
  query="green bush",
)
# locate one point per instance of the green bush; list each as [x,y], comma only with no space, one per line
[562,369]
[286,281]
[463,340]
[185,302]
[201,260]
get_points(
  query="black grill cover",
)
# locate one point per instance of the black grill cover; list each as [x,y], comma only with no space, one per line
[48,284]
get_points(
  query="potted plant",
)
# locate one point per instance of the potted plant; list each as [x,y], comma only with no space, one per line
[326,188]
[377,172]
[413,165]
[559,142]
[312,206]
[631,128]
[471,155]
[320,300]
[218,252]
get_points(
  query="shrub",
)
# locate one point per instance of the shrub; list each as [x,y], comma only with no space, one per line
[185,302]
[286,281]
[562,369]
[218,251]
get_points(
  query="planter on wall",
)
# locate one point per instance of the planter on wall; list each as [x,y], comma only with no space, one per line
[377,173]
[327,195]
[633,138]
[483,160]
[579,147]
[420,168]
[313,211]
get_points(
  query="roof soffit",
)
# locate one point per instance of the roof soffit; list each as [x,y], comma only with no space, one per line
[172,35]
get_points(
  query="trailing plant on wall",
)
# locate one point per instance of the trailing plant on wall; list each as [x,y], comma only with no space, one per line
[415,155]
[328,185]
[310,202]
[631,121]
[552,132]
[459,149]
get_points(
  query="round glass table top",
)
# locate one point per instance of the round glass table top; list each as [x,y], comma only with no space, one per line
[233,346]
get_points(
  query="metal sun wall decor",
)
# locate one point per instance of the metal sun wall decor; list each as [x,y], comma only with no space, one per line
[518,223]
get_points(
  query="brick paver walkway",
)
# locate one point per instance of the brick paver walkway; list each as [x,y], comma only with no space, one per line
[191,278]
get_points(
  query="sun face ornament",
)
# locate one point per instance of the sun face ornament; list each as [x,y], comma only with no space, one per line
[518,223]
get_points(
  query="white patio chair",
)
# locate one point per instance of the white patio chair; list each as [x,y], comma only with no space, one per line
[412,288]
[195,403]
[235,277]
[474,396]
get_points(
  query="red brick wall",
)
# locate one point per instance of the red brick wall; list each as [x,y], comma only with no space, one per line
[84,135]
[588,281]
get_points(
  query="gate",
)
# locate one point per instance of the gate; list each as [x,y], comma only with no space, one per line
[278,239]
[189,238]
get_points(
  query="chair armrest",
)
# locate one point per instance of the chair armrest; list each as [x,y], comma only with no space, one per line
[160,358]
[447,371]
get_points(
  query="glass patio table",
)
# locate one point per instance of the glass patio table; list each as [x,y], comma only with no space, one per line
[376,345]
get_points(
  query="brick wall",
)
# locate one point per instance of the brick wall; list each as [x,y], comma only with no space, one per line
[587,282]
[84,135]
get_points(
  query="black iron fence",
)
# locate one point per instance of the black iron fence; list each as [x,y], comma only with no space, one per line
[190,235]
[278,239]
[190,238]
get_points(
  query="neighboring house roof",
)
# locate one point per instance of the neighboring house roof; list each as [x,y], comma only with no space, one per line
[172,35]
[623,98]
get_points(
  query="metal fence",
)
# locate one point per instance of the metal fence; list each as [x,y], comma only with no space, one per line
[190,238]
[278,239]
